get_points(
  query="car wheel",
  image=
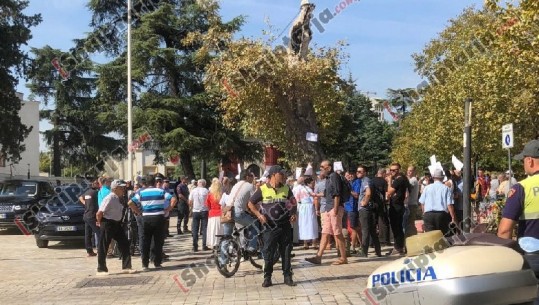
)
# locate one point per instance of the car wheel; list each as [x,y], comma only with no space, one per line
[41,243]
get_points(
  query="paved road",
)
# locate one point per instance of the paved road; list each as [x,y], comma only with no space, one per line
[62,274]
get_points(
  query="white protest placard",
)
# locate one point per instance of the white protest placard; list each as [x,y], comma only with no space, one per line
[298,172]
[457,163]
[309,170]
[337,166]
[312,137]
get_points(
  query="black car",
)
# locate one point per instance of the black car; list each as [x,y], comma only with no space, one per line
[61,218]
[20,200]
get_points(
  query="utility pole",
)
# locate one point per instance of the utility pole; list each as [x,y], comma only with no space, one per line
[129,97]
[467,169]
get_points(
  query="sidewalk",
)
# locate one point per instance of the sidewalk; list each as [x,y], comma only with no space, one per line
[62,274]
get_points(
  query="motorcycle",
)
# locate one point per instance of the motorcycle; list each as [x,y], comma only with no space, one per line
[475,269]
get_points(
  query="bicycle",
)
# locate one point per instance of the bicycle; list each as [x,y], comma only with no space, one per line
[235,253]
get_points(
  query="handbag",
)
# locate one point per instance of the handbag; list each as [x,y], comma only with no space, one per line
[227,212]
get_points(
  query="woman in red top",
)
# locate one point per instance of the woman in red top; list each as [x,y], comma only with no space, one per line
[214,215]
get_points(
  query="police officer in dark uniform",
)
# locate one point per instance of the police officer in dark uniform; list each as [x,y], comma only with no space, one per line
[277,210]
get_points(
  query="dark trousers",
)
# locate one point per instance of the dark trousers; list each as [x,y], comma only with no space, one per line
[200,222]
[383,225]
[90,228]
[153,230]
[367,221]
[166,224]
[410,228]
[280,235]
[110,230]
[183,216]
[437,221]
[396,213]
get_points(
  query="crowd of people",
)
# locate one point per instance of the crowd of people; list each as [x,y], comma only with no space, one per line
[346,210]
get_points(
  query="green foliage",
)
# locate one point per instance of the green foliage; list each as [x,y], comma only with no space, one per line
[170,100]
[14,32]
[489,56]
[361,138]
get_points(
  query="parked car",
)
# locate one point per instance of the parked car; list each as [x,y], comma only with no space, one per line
[61,218]
[20,200]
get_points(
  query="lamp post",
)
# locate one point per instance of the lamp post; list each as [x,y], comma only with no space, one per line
[467,170]
[129,97]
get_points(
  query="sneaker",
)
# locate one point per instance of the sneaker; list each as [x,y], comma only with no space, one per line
[185,230]
[91,254]
[145,268]
[288,281]
[267,282]
[205,248]
[102,273]
[317,260]
[129,271]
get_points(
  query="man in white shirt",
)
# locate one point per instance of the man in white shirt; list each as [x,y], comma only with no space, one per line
[197,202]
[411,202]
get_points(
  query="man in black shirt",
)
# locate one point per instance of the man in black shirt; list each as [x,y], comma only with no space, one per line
[379,190]
[89,200]
[398,186]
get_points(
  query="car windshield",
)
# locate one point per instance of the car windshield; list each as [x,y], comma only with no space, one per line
[18,188]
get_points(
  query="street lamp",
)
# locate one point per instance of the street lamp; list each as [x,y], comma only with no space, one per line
[467,170]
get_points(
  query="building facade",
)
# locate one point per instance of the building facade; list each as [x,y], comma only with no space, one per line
[29,162]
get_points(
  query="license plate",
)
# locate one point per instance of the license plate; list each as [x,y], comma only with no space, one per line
[3,216]
[66,228]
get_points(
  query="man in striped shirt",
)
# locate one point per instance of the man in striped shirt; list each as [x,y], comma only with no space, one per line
[155,203]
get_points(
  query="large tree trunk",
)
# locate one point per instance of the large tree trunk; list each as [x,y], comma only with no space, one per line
[187,164]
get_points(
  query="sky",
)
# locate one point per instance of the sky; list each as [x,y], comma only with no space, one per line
[381,34]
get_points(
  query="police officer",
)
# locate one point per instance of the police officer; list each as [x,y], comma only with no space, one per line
[277,210]
[522,203]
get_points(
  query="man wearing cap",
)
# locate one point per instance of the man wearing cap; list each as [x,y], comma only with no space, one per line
[522,203]
[437,204]
[109,218]
[277,211]
[155,203]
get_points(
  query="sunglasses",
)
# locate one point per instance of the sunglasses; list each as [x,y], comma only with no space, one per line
[360,172]
[393,170]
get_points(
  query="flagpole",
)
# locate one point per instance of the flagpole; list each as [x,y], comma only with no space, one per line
[129,97]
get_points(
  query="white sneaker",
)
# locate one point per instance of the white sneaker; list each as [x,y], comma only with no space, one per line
[129,271]
[102,273]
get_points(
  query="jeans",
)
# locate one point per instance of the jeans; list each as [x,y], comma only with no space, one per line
[279,235]
[90,228]
[183,215]
[110,230]
[200,222]
[140,230]
[367,221]
[251,233]
[153,229]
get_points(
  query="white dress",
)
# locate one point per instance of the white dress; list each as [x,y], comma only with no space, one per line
[308,226]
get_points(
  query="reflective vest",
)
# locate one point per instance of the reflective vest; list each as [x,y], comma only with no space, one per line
[274,202]
[531,197]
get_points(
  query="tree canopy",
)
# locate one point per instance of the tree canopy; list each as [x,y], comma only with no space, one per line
[14,33]
[487,55]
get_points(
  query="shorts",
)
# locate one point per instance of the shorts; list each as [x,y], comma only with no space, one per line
[332,224]
[351,218]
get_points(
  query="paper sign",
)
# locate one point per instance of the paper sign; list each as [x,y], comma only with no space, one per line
[312,137]
[337,166]
[456,163]
[309,170]
[433,160]
[298,172]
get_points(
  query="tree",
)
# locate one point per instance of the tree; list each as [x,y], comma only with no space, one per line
[269,97]
[484,55]
[171,102]
[403,99]
[78,136]
[14,32]
[362,138]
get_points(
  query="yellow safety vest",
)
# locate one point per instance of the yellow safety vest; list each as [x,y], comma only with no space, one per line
[531,197]
[274,202]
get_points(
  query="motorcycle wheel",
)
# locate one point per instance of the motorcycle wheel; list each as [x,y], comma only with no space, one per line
[233,257]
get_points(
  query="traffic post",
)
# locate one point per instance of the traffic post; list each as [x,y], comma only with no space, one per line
[507,143]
